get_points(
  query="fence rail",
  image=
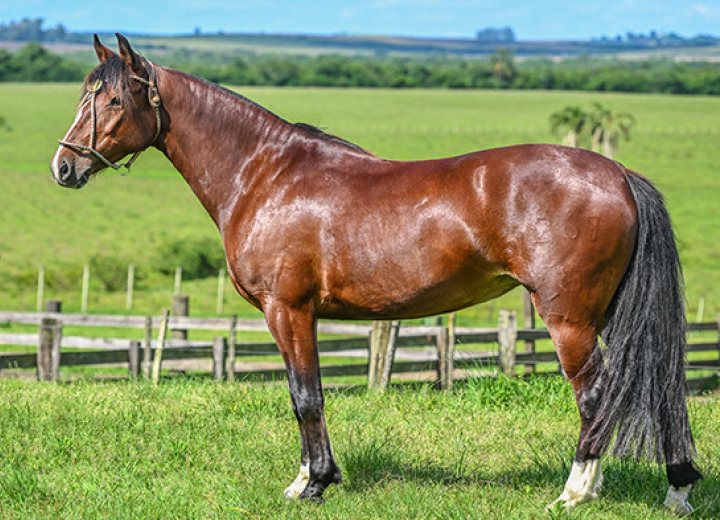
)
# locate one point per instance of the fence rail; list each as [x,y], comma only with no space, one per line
[442,358]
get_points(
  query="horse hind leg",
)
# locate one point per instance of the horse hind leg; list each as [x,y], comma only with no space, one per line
[581,360]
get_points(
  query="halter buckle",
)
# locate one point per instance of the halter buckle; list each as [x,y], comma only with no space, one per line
[96,86]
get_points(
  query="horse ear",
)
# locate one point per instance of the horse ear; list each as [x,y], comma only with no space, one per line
[103,53]
[130,57]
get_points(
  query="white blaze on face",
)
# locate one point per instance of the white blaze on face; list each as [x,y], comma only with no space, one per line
[55,167]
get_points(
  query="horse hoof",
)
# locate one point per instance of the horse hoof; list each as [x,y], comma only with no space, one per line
[676,501]
[570,503]
[313,494]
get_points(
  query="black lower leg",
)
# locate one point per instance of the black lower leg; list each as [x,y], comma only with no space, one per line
[588,385]
[323,469]
[308,405]
[683,474]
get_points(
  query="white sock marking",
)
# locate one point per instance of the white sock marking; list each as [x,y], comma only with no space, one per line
[677,500]
[300,482]
[583,484]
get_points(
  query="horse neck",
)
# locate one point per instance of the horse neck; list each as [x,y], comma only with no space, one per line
[212,137]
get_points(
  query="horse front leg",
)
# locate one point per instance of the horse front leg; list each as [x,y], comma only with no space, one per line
[295,332]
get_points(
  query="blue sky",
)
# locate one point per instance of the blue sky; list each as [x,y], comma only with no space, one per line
[531,19]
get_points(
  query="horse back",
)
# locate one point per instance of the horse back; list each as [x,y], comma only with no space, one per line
[365,237]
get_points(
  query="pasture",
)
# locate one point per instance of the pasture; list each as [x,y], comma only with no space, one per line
[493,448]
[124,219]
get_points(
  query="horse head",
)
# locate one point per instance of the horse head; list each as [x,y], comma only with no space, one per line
[119,115]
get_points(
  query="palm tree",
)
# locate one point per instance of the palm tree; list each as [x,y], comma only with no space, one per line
[611,126]
[503,64]
[601,125]
[575,122]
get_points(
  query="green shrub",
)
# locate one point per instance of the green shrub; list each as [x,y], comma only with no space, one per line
[111,271]
[63,277]
[199,257]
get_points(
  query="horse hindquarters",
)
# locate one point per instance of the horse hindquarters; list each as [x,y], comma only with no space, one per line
[634,388]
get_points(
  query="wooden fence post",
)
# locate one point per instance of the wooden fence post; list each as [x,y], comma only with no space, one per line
[134,359]
[147,348]
[446,349]
[53,306]
[180,307]
[221,292]
[382,353]
[177,284]
[85,289]
[48,355]
[507,335]
[452,323]
[528,323]
[231,349]
[130,287]
[157,357]
[41,287]
[219,348]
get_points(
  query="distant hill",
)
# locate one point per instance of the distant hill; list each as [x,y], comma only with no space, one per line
[59,39]
[403,46]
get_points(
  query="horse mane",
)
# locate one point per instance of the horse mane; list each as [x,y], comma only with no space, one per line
[306,127]
[317,132]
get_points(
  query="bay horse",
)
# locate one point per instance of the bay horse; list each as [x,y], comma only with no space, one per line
[315,227]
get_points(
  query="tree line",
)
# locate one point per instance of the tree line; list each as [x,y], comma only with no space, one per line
[35,63]
[501,70]
[31,29]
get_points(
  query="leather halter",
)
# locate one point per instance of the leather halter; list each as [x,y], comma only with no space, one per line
[92,90]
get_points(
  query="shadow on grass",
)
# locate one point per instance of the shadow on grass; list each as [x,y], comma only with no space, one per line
[373,464]
[373,461]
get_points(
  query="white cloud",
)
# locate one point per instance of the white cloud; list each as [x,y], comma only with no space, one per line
[706,11]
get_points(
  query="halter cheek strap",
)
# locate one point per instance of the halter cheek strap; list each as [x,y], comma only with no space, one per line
[92,90]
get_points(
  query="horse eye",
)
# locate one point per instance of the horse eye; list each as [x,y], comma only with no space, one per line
[114,102]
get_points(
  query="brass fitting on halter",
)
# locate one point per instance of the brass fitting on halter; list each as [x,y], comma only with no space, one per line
[92,90]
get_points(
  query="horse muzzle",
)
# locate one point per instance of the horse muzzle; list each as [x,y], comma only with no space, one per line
[71,172]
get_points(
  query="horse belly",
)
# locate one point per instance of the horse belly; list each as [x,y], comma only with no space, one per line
[434,300]
[410,282]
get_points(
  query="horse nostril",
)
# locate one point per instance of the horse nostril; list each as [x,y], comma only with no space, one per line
[64,171]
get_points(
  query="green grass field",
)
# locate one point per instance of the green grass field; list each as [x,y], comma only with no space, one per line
[127,218]
[492,449]
[193,449]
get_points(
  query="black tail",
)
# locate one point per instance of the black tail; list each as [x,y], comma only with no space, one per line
[645,346]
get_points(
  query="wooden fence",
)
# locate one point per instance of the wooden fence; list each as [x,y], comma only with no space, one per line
[387,348]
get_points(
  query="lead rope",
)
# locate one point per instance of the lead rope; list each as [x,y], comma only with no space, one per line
[155,102]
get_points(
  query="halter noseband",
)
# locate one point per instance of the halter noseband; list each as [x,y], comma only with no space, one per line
[92,90]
